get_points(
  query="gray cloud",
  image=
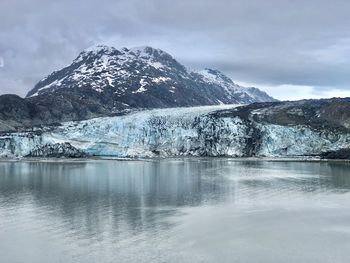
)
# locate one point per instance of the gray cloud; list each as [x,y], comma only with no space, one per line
[270,43]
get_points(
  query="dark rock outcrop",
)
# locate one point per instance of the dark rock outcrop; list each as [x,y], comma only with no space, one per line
[57,150]
[342,154]
[325,114]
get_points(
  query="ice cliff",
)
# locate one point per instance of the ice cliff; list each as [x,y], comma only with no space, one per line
[196,131]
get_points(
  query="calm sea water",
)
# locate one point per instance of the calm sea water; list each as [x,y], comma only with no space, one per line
[177,210]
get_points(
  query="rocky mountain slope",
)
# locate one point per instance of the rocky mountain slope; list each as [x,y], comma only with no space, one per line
[104,81]
[145,77]
[276,129]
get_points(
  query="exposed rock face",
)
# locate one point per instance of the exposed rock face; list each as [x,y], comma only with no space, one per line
[324,114]
[104,81]
[286,129]
[342,154]
[14,112]
[57,150]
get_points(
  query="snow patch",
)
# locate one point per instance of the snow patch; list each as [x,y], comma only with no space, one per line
[142,88]
[160,79]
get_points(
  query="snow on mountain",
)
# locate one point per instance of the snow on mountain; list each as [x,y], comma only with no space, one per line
[100,66]
[233,90]
[144,77]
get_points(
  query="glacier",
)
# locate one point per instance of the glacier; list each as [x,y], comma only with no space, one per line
[195,131]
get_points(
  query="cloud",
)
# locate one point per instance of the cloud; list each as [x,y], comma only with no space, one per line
[298,92]
[274,43]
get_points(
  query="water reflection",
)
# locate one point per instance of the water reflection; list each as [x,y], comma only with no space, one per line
[114,204]
[138,191]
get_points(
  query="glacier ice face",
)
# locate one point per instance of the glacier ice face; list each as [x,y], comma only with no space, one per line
[177,132]
[278,140]
[170,132]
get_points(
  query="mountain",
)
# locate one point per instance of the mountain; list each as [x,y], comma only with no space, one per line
[144,77]
[104,81]
[307,128]
[105,103]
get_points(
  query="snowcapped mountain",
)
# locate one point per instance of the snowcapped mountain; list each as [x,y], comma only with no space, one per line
[143,77]
[103,81]
[233,91]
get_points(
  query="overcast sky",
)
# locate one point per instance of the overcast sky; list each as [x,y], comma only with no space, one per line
[292,49]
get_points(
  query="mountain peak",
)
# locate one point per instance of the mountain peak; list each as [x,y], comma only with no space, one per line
[107,53]
[141,77]
[214,75]
[147,50]
[140,51]
[97,48]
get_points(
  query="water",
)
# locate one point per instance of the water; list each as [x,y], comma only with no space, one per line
[191,210]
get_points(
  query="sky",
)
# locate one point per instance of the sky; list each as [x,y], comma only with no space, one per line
[291,49]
